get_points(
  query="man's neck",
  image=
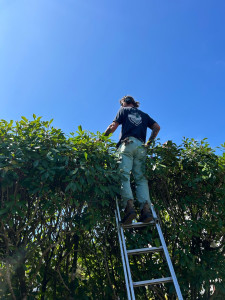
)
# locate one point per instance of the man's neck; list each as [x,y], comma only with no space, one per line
[129,105]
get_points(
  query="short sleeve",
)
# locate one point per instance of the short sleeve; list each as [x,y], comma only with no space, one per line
[120,116]
[150,121]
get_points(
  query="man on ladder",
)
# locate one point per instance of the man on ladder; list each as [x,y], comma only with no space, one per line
[132,149]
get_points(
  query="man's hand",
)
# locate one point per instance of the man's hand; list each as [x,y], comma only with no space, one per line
[155,130]
[147,145]
[98,140]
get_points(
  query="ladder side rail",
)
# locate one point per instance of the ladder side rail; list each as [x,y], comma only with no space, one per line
[169,262]
[125,253]
[153,211]
[123,260]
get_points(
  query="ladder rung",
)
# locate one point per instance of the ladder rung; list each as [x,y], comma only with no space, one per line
[144,250]
[137,224]
[151,282]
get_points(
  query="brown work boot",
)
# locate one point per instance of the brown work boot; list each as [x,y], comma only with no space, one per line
[130,213]
[146,215]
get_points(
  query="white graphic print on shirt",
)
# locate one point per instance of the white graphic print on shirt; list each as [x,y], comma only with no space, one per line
[135,118]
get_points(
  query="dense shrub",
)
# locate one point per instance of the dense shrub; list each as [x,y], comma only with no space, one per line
[187,187]
[57,228]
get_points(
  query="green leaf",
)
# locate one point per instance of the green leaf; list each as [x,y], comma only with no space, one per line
[85,155]
[3,211]
[73,172]
[25,119]
[36,163]
[71,186]
[157,242]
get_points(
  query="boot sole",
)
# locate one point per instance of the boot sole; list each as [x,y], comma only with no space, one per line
[146,219]
[129,219]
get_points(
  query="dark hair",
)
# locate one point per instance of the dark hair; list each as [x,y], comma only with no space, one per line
[129,100]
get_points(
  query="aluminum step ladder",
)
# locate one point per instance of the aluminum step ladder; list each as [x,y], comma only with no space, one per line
[130,285]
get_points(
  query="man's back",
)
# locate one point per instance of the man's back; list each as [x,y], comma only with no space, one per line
[134,123]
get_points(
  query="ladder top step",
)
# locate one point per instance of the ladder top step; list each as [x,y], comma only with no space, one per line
[152,282]
[144,250]
[137,224]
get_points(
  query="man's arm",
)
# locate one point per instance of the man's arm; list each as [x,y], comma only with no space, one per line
[155,130]
[111,128]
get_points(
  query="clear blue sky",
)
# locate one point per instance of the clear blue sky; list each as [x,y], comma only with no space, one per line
[72,61]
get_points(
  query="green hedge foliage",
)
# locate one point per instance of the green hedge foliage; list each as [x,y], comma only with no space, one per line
[57,228]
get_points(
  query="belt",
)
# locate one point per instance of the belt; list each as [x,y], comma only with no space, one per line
[126,141]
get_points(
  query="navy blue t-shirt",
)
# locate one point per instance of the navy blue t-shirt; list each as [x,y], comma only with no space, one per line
[134,123]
